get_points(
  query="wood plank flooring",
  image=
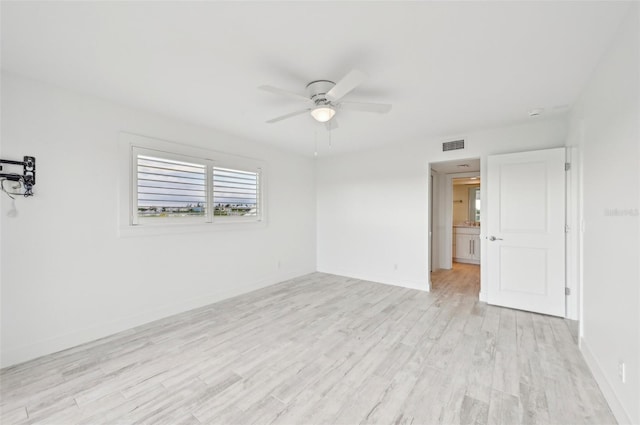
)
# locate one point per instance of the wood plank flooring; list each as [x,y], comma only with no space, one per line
[320,349]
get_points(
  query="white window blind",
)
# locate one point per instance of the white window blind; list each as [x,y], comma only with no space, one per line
[170,188]
[236,193]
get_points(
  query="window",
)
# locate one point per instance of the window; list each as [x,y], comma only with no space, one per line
[235,193]
[178,185]
[169,188]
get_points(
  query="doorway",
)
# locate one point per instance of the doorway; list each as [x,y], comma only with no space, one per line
[466,219]
[454,224]
[523,231]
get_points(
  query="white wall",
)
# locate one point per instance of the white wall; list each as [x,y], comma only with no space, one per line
[68,278]
[604,129]
[373,206]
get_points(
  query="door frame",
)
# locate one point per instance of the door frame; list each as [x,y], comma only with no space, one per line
[430,185]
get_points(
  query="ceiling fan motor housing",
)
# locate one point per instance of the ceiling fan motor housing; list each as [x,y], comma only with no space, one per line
[318,90]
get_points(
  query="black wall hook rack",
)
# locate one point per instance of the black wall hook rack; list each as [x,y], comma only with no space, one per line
[28,176]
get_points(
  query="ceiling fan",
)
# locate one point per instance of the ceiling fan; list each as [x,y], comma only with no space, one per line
[324,99]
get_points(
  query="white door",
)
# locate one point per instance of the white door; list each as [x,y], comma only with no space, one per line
[526,231]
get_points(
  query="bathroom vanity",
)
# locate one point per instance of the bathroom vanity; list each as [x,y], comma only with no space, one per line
[466,244]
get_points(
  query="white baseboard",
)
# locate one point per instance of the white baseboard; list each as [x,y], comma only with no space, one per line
[421,285]
[54,344]
[605,386]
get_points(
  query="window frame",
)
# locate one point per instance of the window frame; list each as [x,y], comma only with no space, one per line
[132,145]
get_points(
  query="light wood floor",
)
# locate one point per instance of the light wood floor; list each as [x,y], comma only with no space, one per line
[320,349]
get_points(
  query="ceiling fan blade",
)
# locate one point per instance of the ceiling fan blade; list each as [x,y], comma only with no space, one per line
[284,117]
[348,83]
[284,92]
[332,124]
[381,108]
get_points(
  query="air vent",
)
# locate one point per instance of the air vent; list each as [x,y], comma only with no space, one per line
[451,146]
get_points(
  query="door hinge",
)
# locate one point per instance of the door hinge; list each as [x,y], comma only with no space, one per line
[567,291]
[567,166]
[566,228]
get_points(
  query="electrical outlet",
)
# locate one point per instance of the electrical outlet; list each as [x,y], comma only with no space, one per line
[622,372]
[395,267]
[279,264]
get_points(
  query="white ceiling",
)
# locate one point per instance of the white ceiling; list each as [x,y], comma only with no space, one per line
[456,166]
[466,181]
[447,67]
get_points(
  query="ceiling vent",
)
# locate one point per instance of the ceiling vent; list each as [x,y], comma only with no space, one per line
[453,145]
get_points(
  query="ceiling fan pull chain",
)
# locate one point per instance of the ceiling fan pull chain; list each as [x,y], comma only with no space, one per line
[315,153]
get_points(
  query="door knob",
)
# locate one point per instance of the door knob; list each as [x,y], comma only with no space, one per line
[493,238]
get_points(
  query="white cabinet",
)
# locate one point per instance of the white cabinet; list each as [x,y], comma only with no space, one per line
[467,244]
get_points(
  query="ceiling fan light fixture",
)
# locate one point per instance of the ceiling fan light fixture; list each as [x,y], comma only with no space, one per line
[323,113]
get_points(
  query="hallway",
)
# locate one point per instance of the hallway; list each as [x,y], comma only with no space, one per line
[462,279]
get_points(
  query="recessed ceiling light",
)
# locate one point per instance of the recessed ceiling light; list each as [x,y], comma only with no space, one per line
[535,112]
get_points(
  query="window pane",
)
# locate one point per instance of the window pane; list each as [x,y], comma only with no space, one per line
[235,192]
[168,188]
